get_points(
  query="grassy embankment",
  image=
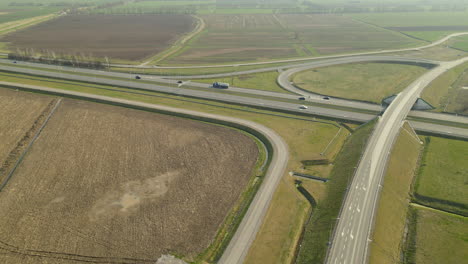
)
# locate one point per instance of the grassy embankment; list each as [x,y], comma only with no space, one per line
[447,92]
[387,237]
[319,228]
[306,140]
[362,81]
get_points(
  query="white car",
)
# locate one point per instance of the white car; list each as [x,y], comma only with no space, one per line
[303,107]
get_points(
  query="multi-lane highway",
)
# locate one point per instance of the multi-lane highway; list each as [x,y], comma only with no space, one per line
[334,108]
[351,237]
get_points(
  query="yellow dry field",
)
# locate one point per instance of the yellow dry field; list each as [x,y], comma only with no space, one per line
[18,112]
[105,184]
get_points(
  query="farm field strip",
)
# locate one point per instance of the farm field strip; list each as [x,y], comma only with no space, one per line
[22,115]
[31,142]
[139,193]
[126,37]
[8,27]
[440,183]
[256,34]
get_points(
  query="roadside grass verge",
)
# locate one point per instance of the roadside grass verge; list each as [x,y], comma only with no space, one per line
[438,237]
[259,81]
[442,91]
[389,228]
[319,229]
[441,182]
[306,138]
[360,81]
[460,43]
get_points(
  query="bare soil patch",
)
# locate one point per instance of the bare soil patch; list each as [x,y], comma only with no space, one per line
[115,185]
[129,37]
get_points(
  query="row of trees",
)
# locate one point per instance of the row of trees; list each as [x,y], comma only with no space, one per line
[51,57]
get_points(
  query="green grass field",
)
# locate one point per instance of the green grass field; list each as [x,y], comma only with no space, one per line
[394,199]
[260,81]
[460,43]
[443,175]
[361,81]
[440,237]
[447,92]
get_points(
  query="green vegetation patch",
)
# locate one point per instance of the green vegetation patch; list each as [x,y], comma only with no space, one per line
[448,93]
[429,26]
[318,230]
[259,81]
[428,35]
[460,43]
[443,175]
[415,19]
[440,237]
[361,81]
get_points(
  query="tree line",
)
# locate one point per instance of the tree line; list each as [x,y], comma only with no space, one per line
[51,57]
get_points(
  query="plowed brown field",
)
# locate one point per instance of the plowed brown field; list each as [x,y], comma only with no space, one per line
[106,184]
[129,37]
[19,112]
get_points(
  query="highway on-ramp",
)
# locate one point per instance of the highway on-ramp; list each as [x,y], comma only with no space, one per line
[351,235]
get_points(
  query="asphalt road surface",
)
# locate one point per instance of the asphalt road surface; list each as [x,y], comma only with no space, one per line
[224,95]
[351,237]
[243,238]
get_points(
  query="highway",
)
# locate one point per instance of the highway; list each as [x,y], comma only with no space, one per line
[262,99]
[352,233]
[243,238]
